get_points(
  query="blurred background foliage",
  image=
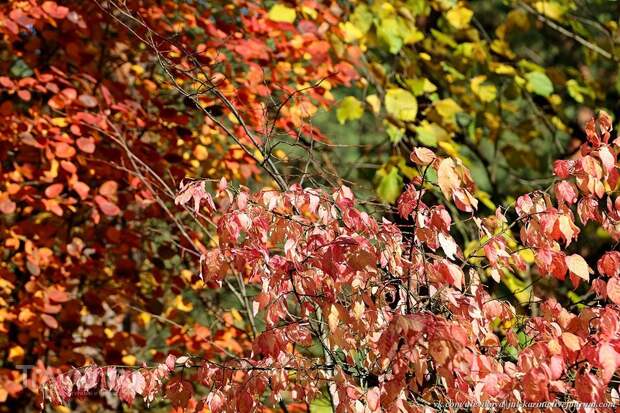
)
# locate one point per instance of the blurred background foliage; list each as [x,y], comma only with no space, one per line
[503,85]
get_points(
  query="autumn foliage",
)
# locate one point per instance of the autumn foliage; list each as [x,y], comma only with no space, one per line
[177,232]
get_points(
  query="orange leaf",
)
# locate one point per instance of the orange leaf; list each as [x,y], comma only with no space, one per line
[571,341]
[64,150]
[108,189]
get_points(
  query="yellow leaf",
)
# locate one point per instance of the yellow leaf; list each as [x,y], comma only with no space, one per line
[280,154]
[129,360]
[449,148]
[459,16]
[502,69]
[447,109]
[401,104]
[485,199]
[349,109]
[358,309]
[527,255]
[200,152]
[486,93]
[332,318]
[180,305]
[550,9]
[421,86]
[374,102]
[60,122]
[351,32]
[15,353]
[186,275]
[309,11]
[145,318]
[137,69]
[521,289]
[235,314]
[282,14]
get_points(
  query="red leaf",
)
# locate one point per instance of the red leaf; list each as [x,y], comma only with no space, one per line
[609,264]
[179,391]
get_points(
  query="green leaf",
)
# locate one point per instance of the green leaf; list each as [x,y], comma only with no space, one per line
[443,38]
[389,34]
[420,86]
[511,352]
[539,83]
[577,92]
[349,109]
[429,134]
[394,132]
[574,90]
[523,339]
[21,69]
[362,18]
[401,104]
[321,405]
[390,186]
